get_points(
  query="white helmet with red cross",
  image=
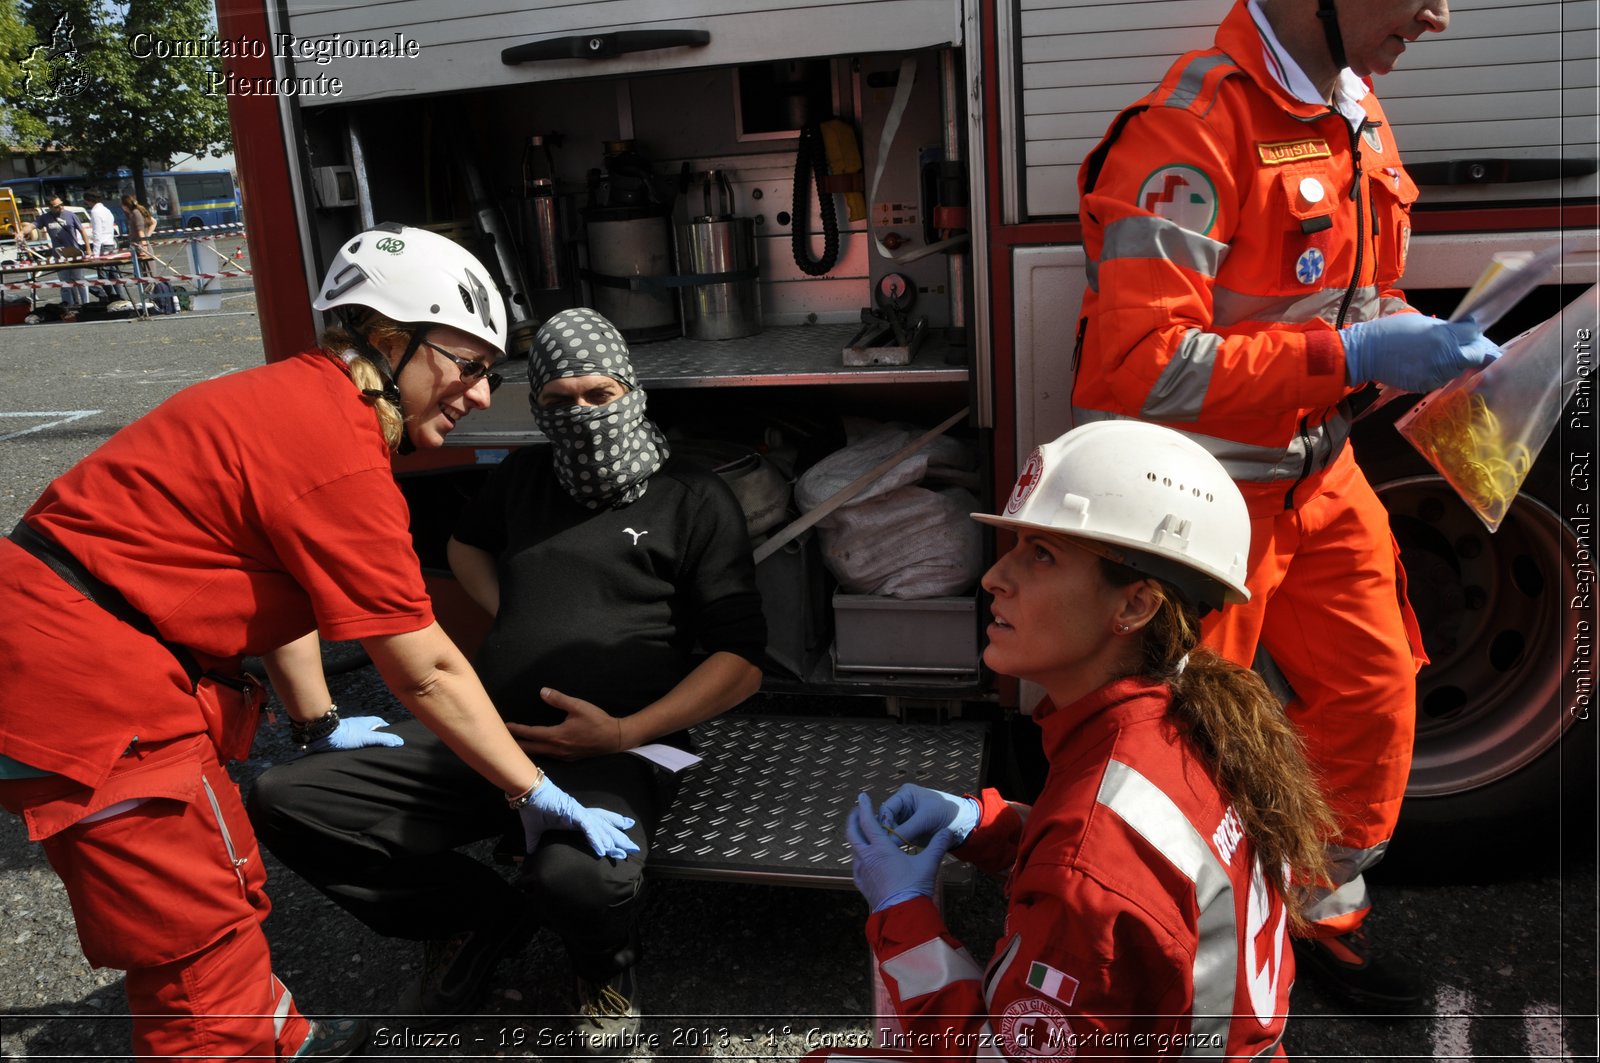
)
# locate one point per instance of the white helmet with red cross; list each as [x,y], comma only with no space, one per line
[1158,498]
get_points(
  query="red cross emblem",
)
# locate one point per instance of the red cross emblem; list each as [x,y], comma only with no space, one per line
[1032,473]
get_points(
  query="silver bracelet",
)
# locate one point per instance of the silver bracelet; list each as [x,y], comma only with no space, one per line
[303,734]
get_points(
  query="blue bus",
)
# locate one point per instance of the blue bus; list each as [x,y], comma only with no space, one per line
[180,199]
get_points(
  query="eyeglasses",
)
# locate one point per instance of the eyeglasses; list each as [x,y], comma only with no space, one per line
[471,369]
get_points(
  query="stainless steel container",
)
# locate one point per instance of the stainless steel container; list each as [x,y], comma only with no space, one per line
[628,227]
[543,234]
[630,258]
[717,272]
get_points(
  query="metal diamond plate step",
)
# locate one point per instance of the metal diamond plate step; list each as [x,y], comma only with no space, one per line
[768,801]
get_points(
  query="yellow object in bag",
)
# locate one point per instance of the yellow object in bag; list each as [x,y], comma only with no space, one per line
[844,156]
[1483,431]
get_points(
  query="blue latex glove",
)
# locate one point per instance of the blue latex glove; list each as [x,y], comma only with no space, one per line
[552,808]
[1414,352]
[356,732]
[884,874]
[917,813]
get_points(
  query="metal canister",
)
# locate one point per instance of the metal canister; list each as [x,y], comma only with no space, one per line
[542,233]
[717,272]
[629,235]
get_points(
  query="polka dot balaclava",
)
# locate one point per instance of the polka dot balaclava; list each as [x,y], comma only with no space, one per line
[604,455]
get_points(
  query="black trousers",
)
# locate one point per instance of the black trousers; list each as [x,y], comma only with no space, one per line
[376,830]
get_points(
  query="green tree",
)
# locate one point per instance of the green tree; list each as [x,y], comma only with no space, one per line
[114,100]
[20,127]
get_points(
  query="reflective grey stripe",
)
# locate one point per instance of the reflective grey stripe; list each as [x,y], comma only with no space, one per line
[930,967]
[1153,816]
[1366,306]
[280,1014]
[1345,867]
[997,968]
[1388,304]
[1193,76]
[1229,307]
[1261,464]
[1350,897]
[1180,391]
[1147,236]
[1345,863]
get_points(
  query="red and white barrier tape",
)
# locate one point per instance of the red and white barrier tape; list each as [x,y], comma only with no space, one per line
[22,286]
[236,233]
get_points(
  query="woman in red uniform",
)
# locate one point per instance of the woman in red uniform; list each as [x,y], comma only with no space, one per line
[1147,904]
[240,515]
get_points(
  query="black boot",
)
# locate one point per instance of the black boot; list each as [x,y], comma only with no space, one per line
[1348,965]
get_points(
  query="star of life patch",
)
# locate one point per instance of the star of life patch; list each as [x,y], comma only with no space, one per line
[1309,266]
[1183,195]
[1031,1028]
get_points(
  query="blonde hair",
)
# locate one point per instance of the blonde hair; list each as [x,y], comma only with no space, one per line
[1238,727]
[342,344]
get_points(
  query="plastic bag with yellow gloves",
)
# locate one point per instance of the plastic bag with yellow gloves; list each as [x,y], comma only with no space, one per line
[1483,431]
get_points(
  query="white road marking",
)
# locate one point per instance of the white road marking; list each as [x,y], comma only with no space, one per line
[162,377]
[1451,1028]
[1541,1033]
[61,417]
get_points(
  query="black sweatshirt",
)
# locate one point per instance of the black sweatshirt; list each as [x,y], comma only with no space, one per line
[612,606]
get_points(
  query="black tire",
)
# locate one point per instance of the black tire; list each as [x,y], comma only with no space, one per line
[1500,742]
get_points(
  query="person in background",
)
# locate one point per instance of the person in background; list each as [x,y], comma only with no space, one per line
[1148,899]
[235,519]
[103,244]
[69,240]
[1246,224]
[625,611]
[141,223]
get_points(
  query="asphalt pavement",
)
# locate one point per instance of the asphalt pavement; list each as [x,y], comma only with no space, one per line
[731,971]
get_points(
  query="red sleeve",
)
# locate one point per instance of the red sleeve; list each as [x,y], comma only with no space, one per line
[1081,971]
[992,844]
[348,544]
[1155,344]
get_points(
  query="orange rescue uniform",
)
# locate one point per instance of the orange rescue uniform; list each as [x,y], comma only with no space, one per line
[1231,229]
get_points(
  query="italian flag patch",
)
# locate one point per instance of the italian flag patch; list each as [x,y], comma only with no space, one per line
[1052,983]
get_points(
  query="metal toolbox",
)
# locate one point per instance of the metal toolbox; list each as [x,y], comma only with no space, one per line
[936,636]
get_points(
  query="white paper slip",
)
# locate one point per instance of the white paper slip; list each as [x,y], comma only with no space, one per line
[669,757]
[1509,276]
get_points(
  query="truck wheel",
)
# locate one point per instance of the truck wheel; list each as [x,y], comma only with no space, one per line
[1496,740]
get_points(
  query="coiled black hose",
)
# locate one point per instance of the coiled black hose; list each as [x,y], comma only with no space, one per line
[811,163]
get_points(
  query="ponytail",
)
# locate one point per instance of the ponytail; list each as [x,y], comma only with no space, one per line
[1238,727]
[342,346]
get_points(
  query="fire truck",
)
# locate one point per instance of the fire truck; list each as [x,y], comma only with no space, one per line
[898,179]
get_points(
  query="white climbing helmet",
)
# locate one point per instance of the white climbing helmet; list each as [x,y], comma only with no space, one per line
[1159,498]
[412,275]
